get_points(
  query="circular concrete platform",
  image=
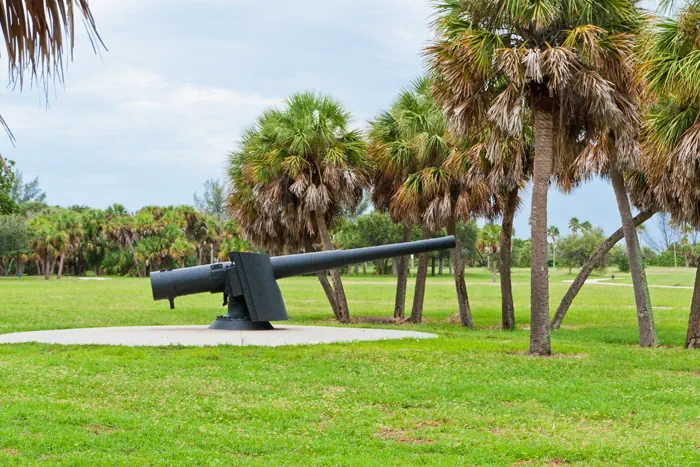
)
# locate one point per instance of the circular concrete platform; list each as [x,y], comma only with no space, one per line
[201,336]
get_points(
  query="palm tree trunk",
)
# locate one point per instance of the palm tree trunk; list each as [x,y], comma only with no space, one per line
[419,292]
[645,315]
[449,266]
[588,267]
[340,298]
[20,266]
[211,254]
[465,312]
[440,261]
[493,267]
[356,270]
[692,339]
[402,281]
[330,294]
[60,266]
[364,269]
[506,252]
[540,343]
[47,268]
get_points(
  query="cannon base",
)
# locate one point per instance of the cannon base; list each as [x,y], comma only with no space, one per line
[222,323]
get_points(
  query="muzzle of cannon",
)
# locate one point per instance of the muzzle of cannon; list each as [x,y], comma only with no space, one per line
[249,281]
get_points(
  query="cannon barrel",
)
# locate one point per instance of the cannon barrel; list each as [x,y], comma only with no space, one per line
[188,281]
[168,284]
[308,263]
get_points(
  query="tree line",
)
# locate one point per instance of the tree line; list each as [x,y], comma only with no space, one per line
[515,94]
[36,238]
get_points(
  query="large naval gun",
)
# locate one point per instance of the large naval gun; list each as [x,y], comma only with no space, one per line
[249,280]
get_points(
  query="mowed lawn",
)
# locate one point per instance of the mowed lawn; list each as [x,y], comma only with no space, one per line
[466,398]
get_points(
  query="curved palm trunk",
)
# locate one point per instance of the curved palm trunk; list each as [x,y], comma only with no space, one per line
[507,307]
[465,312]
[645,316]
[588,267]
[692,338]
[340,298]
[330,294]
[402,281]
[60,266]
[421,276]
[540,343]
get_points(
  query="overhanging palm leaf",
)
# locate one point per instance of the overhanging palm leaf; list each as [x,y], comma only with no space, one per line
[37,36]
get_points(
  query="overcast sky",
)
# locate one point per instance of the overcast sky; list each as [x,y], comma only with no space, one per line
[152,118]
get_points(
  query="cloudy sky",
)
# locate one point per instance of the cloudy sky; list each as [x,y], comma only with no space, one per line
[152,118]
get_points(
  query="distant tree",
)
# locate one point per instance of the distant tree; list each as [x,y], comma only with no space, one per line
[29,192]
[7,204]
[620,258]
[574,225]
[574,250]
[14,239]
[553,233]
[213,200]
[586,226]
[489,242]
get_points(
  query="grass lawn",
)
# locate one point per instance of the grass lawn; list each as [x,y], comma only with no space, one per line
[467,398]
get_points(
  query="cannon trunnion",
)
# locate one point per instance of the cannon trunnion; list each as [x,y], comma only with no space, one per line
[249,281]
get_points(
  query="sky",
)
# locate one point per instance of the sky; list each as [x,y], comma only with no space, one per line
[151,118]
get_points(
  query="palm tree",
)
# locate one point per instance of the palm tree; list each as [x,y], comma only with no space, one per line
[671,132]
[553,233]
[70,226]
[423,175]
[586,226]
[37,35]
[302,165]
[392,152]
[553,63]
[574,225]
[489,241]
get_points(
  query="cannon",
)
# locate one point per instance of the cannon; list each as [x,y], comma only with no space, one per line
[249,280]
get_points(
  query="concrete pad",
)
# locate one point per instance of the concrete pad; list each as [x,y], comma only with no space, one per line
[201,336]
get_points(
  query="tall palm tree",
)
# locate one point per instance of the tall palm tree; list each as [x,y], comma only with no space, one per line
[423,176]
[554,61]
[392,152]
[553,233]
[671,133]
[37,35]
[307,165]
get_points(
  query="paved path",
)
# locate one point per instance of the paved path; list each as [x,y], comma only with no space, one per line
[200,336]
[619,284]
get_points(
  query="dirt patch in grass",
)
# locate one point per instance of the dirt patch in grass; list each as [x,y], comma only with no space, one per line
[556,461]
[9,452]
[375,320]
[524,353]
[401,436]
[100,430]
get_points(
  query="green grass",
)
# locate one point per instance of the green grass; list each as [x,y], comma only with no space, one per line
[467,398]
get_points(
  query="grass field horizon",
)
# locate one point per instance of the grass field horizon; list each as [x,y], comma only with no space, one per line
[466,398]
